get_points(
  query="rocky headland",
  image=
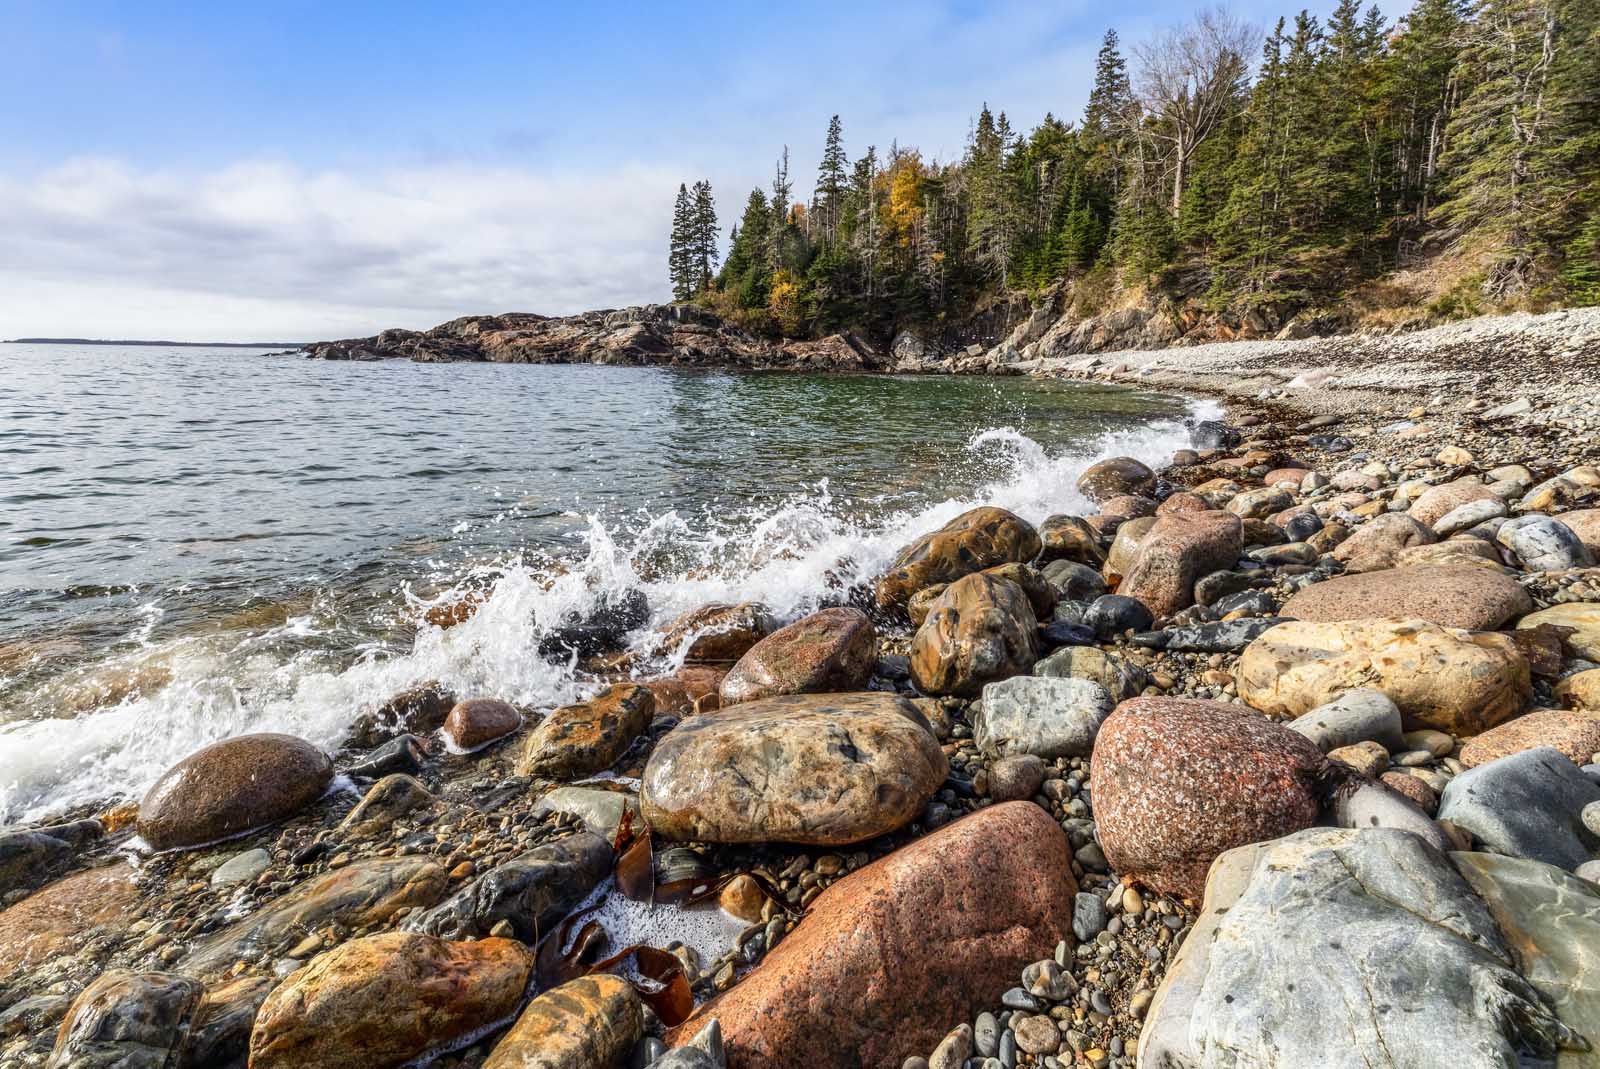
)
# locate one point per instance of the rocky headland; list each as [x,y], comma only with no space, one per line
[1285,755]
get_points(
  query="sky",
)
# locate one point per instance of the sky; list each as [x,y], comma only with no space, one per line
[298,171]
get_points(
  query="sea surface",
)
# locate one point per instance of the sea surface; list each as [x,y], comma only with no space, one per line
[196,543]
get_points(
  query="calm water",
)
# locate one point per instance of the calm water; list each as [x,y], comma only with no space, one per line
[199,542]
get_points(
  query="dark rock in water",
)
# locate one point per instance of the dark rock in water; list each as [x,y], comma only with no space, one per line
[1227,636]
[221,1035]
[704,1051]
[601,629]
[36,1016]
[402,754]
[587,737]
[1211,434]
[1060,634]
[29,857]
[389,799]
[533,892]
[231,787]
[128,1020]
[418,710]
[1112,614]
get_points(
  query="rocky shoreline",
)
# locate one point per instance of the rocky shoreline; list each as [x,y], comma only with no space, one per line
[1286,756]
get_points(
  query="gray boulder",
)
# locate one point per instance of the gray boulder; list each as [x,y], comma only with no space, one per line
[1043,716]
[704,1051]
[1529,804]
[533,892]
[1544,544]
[1121,679]
[1345,948]
[1355,716]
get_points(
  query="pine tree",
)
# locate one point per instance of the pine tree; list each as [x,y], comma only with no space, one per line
[703,235]
[1110,112]
[780,205]
[680,247]
[831,178]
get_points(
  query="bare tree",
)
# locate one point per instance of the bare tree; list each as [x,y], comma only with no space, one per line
[1187,80]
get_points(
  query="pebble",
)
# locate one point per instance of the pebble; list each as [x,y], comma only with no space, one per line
[986,1035]
[1591,817]
[1088,916]
[953,1050]
[1018,999]
[241,868]
[1037,1035]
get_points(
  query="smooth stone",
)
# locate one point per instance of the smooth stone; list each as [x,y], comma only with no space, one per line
[1180,549]
[476,722]
[1037,1035]
[1355,716]
[1469,515]
[1073,581]
[829,651]
[717,633]
[386,801]
[1089,916]
[1581,690]
[1015,778]
[1439,501]
[28,857]
[1120,678]
[1585,523]
[64,913]
[1115,477]
[241,867]
[127,1020]
[417,710]
[1583,618]
[1044,716]
[953,1050]
[586,1023]
[1112,614]
[388,999]
[981,629]
[1225,636]
[704,1051]
[824,770]
[819,1001]
[1072,538]
[986,1035]
[1259,504]
[1544,544]
[977,539]
[587,737]
[232,787]
[533,892]
[1125,548]
[1575,735]
[1529,804]
[1462,596]
[1377,542]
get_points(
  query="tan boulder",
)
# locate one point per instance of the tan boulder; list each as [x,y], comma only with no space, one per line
[819,769]
[1575,734]
[889,956]
[1582,617]
[1581,690]
[977,539]
[1467,596]
[231,787]
[1125,547]
[588,737]
[1456,681]
[60,915]
[1585,523]
[980,630]
[1183,501]
[592,1022]
[831,650]
[388,999]
[1379,541]
[1473,551]
[717,634]
[1436,501]
[1181,548]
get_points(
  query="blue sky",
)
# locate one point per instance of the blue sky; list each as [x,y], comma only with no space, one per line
[298,170]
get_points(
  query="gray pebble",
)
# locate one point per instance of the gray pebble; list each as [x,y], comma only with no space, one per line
[1018,999]
[1088,916]
[986,1034]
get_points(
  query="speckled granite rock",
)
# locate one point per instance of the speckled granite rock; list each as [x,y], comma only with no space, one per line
[1437,501]
[1181,548]
[1574,734]
[1450,595]
[890,955]
[827,652]
[1177,781]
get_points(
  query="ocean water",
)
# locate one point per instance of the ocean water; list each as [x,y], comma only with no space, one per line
[196,543]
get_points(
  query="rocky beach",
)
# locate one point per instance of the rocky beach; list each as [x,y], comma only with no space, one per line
[1284,754]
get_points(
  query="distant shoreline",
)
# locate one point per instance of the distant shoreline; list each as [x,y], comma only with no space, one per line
[185,344]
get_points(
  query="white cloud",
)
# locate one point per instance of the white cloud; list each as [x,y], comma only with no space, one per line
[98,248]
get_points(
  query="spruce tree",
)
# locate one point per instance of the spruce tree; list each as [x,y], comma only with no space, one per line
[703,231]
[832,176]
[680,247]
[1109,113]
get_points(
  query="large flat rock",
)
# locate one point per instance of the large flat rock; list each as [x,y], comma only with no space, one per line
[1451,595]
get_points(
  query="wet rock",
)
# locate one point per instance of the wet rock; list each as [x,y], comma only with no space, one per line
[1015,778]
[979,630]
[58,916]
[231,787]
[418,710]
[600,810]
[401,754]
[825,769]
[1355,716]
[829,651]
[1543,544]
[1120,509]
[975,540]
[35,1016]
[1212,588]
[1073,581]
[933,917]
[1178,781]
[1529,804]
[1581,690]
[533,892]
[603,627]
[1463,596]
[717,634]
[1438,501]
[1584,619]
[477,722]
[1180,549]
[1395,925]
[127,1020]
[241,868]
[359,895]
[703,1051]
[694,686]
[1071,538]
[28,857]
[1227,636]
[588,737]
[1113,614]
[386,801]
[1125,548]
[1031,581]
[1116,477]
[1121,679]
[1576,735]
[1456,681]
[586,1023]
[388,999]
[1047,717]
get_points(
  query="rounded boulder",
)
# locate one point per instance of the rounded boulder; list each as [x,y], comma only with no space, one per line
[232,787]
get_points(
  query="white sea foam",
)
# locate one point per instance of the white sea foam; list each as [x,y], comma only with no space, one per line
[794,557]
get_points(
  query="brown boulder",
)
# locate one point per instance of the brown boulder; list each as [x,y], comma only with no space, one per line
[1433,503]
[1376,543]
[1291,476]
[1177,781]
[1585,523]
[388,999]
[890,955]
[978,539]
[418,710]
[1116,477]
[1575,734]
[687,689]
[1183,501]
[1121,509]
[981,629]
[717,634]
[831,650]
[1071,538]
[588,737]
[592,1022]
[1181,548]
[821,769]
[231,787]
[477,722]
[1466,596]
[59,915]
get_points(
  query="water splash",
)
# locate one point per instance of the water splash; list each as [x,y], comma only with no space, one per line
[315,674]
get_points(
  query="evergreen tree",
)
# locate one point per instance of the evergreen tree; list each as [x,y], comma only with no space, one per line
[681,248]
[703,229]
[1109,114]
[831,180]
